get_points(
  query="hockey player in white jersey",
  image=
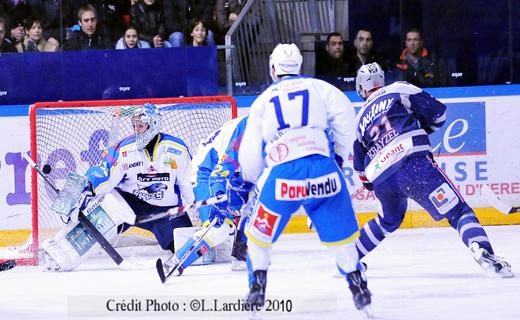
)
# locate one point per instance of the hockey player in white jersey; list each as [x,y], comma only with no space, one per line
[214,173]
[145,173]
[392,155]
[288,154]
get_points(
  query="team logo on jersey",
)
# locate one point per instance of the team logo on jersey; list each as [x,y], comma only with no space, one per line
[444,198]
[154,191]
[265,223]
[279,153]
[151,168]
[321,187]
[124,154]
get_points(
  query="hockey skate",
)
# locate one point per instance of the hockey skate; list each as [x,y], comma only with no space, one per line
[360,293]
[255,299]
[491,264]
[239,252]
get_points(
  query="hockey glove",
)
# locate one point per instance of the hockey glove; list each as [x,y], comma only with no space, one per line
[238,191]
[368,185]
[218,211]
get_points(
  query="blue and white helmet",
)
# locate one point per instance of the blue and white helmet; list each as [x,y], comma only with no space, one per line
[146,121]
[286,59]
[369,76]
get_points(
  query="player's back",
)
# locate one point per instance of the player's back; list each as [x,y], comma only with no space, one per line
[387,114]
[290,120]
[394,124]
[296,102]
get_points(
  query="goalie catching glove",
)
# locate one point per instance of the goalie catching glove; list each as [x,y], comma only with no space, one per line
[73,197]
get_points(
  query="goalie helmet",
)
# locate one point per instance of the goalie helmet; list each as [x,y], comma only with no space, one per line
[146,122]
[369,76]
[286,59]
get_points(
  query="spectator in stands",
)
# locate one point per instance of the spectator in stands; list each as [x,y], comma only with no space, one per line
[333,65]
[418,66]
[55,15]
[364,51]
[226,12]
[110,13]
[87,38]
[148,17]
[17,32]
[130,40]
[34,41]
[198,35]
[183,11]
[15,12]
[5,44]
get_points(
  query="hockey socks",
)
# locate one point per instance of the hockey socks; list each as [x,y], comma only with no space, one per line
[370,236]
[471,231]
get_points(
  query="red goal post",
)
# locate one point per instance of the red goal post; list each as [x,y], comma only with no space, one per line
[71,136]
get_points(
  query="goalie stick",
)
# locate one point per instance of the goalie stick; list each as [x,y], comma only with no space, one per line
[496,202]
[7,265]
[160,266]
[180,210]
[109,249]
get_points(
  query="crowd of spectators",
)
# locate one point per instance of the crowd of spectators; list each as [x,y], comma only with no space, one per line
[51,25]
[54,25]
[339,63]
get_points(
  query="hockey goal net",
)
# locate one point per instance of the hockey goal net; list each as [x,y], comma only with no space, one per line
[72,136]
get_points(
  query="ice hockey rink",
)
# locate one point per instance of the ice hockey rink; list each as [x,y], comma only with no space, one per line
[414,274]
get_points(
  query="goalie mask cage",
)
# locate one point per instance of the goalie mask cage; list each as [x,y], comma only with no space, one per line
[72,136]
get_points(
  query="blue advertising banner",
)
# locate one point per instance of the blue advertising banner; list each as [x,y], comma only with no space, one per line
[107,74]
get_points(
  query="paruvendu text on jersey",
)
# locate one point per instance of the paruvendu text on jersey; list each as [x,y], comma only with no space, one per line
[394,122]
[160,178]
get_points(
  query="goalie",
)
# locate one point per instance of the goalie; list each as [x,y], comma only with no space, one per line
[145,173]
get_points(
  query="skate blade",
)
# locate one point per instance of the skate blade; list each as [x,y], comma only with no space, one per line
[367,311]
[505,273]
[238,266]
[256,314]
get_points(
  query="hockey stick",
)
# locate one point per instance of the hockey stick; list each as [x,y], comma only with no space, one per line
[7,265]
[159,263]
[180,210]
[94,232]
[496,202]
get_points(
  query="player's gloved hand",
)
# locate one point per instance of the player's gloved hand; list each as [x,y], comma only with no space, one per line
[238,191]
[73,197]
[218,211]
[368,185]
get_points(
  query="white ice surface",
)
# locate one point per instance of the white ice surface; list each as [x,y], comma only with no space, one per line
[413,274]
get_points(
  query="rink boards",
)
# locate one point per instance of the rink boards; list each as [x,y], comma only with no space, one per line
[478,145]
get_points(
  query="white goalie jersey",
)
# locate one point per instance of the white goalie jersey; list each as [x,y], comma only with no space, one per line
[160,179]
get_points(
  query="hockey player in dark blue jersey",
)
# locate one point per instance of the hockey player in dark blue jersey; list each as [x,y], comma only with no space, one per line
[393,157]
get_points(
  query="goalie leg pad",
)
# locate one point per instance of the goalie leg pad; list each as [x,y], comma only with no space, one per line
[73,244]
